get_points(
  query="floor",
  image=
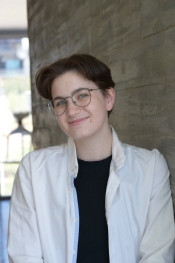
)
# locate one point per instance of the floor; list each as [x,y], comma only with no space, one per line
[4,211]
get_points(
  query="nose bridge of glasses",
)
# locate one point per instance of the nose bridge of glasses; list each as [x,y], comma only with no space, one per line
[70,97]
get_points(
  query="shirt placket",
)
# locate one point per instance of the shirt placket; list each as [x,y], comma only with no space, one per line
[74,221]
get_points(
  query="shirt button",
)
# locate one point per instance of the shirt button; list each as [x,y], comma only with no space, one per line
[74,220]
[72,252]
[71,189]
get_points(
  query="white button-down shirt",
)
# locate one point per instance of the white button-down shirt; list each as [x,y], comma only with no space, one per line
[44,220]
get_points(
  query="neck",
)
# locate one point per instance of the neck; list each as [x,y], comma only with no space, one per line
[97,148]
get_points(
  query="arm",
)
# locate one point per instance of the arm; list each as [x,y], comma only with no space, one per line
[157,244]
[23,237]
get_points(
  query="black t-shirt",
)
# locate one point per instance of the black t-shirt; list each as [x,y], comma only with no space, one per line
[91,185]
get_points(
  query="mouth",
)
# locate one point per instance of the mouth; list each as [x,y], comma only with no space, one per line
[78,121]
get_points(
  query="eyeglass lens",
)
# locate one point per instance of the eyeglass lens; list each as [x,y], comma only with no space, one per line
[80,98]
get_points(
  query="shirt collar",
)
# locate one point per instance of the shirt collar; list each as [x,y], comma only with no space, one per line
[72,157]
[118,156]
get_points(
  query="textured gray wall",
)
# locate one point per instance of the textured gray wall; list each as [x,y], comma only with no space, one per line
[137,41]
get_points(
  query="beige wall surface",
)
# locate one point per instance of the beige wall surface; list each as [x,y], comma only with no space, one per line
[136,39]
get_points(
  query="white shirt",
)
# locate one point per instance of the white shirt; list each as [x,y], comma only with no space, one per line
[44,223]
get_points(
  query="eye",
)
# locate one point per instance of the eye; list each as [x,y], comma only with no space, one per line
[82,96]
[59,103]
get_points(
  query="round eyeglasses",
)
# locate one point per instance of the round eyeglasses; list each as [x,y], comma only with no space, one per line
[80,97]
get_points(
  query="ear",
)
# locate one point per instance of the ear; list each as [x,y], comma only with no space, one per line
[110,99]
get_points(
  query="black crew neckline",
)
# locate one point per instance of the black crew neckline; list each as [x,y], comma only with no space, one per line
[102,160]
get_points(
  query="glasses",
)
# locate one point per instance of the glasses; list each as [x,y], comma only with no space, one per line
[80,97]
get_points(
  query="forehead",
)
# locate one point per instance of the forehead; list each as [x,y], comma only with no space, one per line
[68,82]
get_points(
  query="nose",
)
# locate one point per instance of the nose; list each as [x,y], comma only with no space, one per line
[71,108]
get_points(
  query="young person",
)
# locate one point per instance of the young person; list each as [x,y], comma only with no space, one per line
[94,199]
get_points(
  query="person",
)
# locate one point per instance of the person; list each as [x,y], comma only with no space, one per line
[94,199]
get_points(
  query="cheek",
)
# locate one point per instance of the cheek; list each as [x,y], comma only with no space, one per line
[98,104]
[60,121]
[103,108]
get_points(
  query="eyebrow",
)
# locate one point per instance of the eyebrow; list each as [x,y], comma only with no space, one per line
[60,97]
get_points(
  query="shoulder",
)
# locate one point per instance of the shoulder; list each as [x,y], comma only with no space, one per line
[37,157]
[142,154]
[41,162]
[151,164]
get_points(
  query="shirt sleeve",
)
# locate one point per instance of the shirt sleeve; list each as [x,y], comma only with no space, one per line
[23,238]
[157,245]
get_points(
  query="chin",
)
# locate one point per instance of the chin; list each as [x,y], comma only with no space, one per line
[78,136]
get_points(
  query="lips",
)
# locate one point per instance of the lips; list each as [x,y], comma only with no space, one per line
[78,121]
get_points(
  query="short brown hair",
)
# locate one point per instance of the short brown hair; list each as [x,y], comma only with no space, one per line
[86,65]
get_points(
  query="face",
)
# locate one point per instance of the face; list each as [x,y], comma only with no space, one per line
[82,122]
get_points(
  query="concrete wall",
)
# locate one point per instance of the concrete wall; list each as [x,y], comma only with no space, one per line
[137,41]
